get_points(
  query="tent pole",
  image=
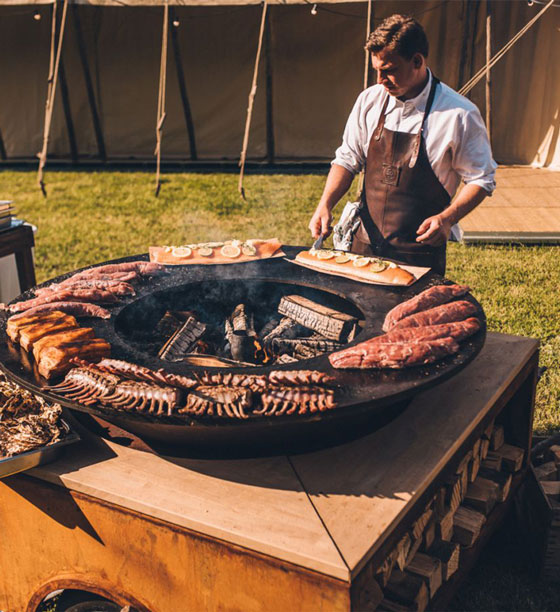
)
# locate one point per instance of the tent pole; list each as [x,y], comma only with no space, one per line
[89,85]
[252,94]
[488,76]
[68,113]
[361,177]
[3,155]
[183,88]
[54,64]
[161,94]
[464,43]
[270,144]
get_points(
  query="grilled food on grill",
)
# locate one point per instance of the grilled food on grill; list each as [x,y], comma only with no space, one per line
[29,335]
[394,355]
[458,330]
[429,298]
[66,294]
[357,267]
[26,421]
[446,313]
[16,324]
[59,338]
[56,360]
[78,309]
[116,287]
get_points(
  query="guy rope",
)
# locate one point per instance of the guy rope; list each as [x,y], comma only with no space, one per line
[161,94]
[251,102]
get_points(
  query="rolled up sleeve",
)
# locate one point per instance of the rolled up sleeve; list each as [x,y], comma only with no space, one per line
[351,154]
[472,158]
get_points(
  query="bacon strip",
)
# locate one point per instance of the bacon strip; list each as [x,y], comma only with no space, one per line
[434,296]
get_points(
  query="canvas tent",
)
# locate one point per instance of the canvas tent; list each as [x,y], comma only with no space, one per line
[310,74]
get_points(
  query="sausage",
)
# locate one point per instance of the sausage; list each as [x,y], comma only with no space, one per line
[434,296]
[394,355]
[78,309]
[446,313]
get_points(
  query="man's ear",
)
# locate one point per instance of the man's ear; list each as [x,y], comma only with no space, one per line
[417,60]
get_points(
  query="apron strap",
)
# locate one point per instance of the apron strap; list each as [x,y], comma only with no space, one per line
[381,122]
[418,139]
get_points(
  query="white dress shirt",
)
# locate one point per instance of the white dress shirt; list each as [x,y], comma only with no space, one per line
[454,134]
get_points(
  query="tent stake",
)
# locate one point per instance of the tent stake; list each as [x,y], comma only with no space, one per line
[252,93]
[161,95]
[89,85]
[51,90]
[183,88]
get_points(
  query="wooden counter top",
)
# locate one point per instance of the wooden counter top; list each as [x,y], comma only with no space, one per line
[327,511]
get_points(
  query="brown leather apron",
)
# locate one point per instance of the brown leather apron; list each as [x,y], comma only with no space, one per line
[400,190]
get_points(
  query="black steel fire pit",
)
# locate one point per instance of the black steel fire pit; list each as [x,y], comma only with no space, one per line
[365,399]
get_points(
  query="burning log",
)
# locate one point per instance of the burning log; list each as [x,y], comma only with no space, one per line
[168,325]
[304,348]
[285,328]
[240,334]
[183,340]
[329,322]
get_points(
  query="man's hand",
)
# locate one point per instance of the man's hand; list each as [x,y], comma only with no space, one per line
[321,222]
[434,230]
[338,183]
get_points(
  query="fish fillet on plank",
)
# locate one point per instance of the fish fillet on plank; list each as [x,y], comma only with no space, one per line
[429,298]
[395,355]
[56,360]
[58,338]
[29,335]
[78,309]
[16,324]
[446,313]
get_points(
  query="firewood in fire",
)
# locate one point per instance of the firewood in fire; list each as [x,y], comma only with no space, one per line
[304,348]
[285,328]
[183,340]
[168,325]
[329,322]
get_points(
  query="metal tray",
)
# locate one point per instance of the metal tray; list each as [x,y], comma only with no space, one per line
[38,456]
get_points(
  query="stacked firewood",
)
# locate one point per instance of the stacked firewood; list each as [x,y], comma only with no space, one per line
[548,474]
[429,553]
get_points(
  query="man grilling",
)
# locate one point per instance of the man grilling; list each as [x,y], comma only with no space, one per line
[417,139]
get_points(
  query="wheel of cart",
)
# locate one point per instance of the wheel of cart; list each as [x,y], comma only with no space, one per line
[94,599]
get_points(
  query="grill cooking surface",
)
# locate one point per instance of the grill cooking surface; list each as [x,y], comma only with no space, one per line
[362,395]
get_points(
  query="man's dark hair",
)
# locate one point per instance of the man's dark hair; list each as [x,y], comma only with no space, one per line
[399,33]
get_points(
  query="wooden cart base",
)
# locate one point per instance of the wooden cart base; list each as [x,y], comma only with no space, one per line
[304,532]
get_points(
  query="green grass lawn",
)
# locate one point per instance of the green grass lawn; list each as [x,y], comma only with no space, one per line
[90,217]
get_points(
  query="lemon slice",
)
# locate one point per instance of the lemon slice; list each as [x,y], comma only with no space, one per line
[181,251]
[249,250]
[205,251]
[378,265]
[231,251]
[325,254]
[167,249]
[341,259]
[360,262]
